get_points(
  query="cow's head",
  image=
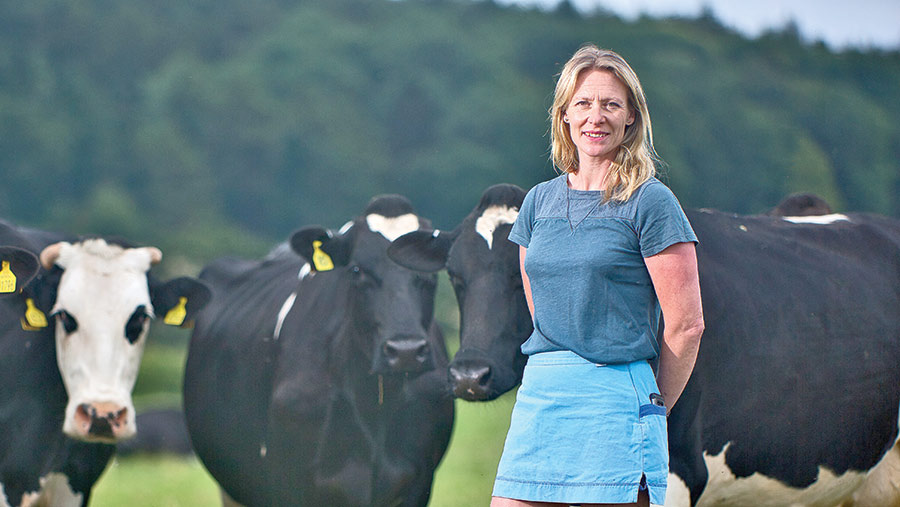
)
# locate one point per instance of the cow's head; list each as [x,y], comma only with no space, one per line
[390,307]
[103,306]
[801,205]
[484,269]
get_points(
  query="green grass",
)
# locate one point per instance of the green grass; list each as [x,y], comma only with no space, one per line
[464,478]
[159,381]
[157,481]
[466,474]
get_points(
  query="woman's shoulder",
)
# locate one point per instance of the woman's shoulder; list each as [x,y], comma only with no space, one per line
[549,186]
[546,190]
[653,191]
[650,197]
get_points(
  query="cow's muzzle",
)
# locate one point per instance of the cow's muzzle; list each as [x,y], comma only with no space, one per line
[471,380]
[404,354]
[102,422]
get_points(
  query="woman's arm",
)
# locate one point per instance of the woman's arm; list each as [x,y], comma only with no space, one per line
[677,283]
[526,284]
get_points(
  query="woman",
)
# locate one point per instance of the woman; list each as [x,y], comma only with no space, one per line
[603,248]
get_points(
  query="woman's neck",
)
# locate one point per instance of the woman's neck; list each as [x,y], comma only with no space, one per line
[590,177]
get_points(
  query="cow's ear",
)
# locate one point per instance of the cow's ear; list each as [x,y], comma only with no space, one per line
[422,250]
[17,268]
[179,300]
[321,248]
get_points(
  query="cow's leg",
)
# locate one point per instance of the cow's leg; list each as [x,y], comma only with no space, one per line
[687,469]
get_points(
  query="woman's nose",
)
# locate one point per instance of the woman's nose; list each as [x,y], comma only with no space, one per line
[596,114]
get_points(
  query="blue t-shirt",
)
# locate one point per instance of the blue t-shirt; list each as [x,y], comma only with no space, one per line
[592,292]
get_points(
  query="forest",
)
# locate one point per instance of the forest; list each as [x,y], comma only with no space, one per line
[214,127]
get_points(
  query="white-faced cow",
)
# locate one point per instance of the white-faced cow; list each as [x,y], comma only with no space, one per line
[794,399]
[322,382]
[70,345]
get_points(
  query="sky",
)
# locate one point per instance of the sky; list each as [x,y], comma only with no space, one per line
[839,23]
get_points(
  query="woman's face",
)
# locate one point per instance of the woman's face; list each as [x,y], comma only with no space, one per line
[597,116]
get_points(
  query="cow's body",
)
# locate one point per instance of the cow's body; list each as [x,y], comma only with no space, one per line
[163,431]
[70,343]
[797,379]
[307,387]
[794,399]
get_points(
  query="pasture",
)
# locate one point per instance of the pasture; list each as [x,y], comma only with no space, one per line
[464,477]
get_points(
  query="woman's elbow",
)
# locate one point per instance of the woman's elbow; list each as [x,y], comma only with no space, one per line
[687,334]
[696,328]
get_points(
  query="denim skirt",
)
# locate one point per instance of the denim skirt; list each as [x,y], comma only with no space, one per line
[584,433]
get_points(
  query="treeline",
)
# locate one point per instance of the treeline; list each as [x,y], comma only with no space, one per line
[211,127]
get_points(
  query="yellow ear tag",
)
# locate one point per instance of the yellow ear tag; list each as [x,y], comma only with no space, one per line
[175,316]
[34,318]
[321,259]
[7,279]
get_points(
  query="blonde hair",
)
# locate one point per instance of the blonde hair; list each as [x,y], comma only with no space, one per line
[636,159]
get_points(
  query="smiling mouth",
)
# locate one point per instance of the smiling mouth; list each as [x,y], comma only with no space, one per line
[596,135]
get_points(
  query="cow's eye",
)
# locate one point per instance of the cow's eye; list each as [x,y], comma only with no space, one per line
[455,279]
[362,277]
[68,321]
[426,283]
[459,286]
[135,325]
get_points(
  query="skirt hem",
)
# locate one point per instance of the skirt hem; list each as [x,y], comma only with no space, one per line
[574,492]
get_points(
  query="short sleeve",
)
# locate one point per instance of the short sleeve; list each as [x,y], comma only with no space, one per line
[660,221]
[520,233]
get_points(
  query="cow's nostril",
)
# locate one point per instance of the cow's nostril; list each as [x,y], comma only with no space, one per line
[422,352]
[482,375]
[86,410]
[84,413]
[118,418]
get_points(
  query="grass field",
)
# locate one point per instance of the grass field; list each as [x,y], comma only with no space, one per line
[464,478]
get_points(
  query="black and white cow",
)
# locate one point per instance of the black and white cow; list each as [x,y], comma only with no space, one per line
[322,382]
[795,396]
[70,345]
[481,263]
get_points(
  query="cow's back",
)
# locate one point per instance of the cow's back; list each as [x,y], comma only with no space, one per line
[797,369]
